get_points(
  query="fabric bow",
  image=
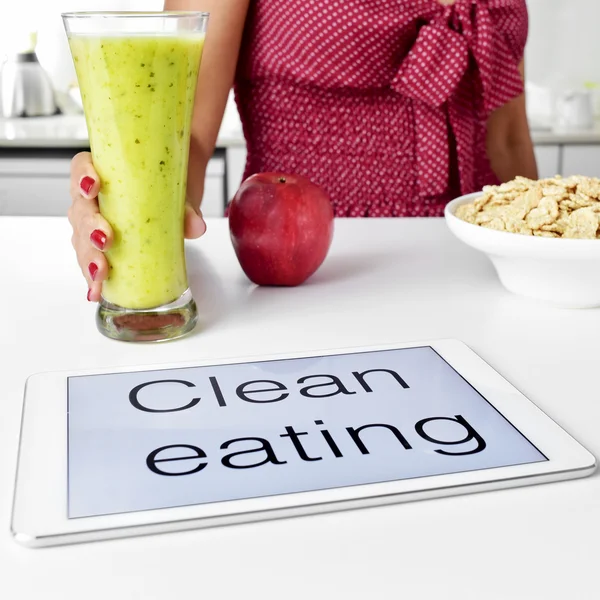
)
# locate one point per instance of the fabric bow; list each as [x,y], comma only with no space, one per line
[459,63]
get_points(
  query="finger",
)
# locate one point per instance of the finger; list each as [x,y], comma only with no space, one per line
[93,264]
[194,225]
[84,214]
[94,267]
[90,226]
[94,292]
[83,175]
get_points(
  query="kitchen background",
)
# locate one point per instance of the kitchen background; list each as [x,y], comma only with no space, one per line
[562,72]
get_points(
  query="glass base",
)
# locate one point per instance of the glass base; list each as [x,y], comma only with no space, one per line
[167,322]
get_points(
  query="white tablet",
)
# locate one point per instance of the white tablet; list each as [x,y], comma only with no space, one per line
[130,451]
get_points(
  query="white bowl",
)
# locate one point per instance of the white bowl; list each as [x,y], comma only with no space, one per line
[560,272]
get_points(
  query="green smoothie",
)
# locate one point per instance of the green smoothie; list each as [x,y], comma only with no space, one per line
[138,95]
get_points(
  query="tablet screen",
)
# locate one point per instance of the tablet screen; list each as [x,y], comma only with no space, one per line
[176,437]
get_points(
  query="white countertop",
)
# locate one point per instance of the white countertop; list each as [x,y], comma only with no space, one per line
[384,281]
[69,131]
[551,137]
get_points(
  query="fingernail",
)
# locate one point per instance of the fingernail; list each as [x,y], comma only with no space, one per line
[89,294]
[98,239]
[86,184]
[93,269]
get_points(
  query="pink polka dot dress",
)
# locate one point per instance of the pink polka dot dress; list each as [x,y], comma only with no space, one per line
[382,102]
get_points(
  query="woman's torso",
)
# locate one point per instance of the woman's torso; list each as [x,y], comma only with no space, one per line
[382,102]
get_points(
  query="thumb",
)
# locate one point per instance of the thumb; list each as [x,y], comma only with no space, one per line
[194,225]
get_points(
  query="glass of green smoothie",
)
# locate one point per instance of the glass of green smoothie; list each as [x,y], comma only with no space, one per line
[137,73]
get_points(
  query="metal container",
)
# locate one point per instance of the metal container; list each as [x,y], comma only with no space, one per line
[25,88]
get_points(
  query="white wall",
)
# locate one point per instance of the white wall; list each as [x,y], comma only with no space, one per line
[17,16]
[562,53]
[563,49]
[564,42]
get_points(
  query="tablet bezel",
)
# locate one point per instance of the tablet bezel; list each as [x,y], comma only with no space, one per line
[40,501]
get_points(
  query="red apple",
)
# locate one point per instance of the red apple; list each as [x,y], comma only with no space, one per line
[281,227]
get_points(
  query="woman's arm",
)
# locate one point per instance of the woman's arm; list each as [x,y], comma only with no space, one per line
[509,145]
[217,70]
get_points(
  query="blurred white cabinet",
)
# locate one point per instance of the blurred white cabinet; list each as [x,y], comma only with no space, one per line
[236,163]
[34,186]
[581,159]
[548,160]
[39,186]
[213,200]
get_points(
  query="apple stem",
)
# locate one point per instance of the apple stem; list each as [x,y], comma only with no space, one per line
[282,180]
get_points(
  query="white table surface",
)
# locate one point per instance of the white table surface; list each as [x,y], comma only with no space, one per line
[384,281]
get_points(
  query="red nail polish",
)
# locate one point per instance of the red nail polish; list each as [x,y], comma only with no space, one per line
[98,239]
[89,294]
[93,269]
[86,185]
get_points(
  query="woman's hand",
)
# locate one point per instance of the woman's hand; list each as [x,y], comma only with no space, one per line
[92,235]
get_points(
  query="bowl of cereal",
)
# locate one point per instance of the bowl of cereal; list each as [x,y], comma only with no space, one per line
[542,236]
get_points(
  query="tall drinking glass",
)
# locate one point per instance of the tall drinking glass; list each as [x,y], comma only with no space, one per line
[137,73]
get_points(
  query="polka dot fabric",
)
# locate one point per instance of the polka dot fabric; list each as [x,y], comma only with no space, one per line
[382,102]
